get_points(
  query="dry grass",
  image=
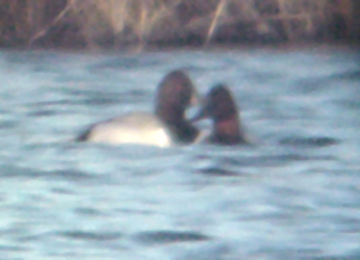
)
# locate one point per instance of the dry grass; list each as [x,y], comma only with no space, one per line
[116,23]
[132,19]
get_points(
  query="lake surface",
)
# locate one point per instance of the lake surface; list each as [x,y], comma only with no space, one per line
[294,194]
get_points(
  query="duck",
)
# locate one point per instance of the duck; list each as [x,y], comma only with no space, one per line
[221,108]
[166,126]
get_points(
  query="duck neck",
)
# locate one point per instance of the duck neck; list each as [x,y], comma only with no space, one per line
[228,131]
[175,119]
[170,115]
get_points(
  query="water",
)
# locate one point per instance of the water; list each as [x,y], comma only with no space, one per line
[293,195]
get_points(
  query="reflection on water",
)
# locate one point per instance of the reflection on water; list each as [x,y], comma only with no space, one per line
[293,194]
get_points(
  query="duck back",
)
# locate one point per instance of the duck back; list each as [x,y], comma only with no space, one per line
[138,128]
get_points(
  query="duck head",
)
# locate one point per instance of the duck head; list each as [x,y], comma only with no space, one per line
[175,94]
[220,107]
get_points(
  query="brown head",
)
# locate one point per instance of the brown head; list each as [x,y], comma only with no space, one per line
[220,106]
[175,94]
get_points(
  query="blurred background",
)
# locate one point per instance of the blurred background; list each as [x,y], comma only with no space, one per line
[158,23]
[294,194]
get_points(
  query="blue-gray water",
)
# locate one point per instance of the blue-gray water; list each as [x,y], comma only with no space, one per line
[293,195]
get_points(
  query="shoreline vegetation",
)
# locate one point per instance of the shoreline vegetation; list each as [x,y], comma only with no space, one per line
[116,24]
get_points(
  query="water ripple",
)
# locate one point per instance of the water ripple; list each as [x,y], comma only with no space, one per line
[293,194]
